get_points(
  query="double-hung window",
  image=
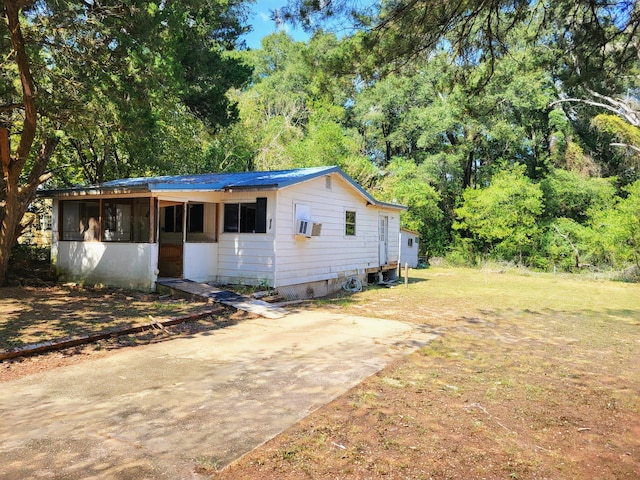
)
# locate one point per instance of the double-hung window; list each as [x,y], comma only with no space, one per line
[246,217]
[350,223]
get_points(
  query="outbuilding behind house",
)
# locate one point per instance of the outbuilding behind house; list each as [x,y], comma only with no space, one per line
[409,247]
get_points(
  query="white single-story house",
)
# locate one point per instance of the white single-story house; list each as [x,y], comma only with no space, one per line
[303,232]
[409,247]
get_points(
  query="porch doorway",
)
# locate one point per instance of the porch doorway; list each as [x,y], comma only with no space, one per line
[171,239]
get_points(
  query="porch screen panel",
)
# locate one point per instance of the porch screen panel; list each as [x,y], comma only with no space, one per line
[79,220]
[113,220]
[173,219]
[126,220]
[195,221]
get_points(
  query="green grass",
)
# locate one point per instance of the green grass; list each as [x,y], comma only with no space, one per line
[481,290]
[531,375]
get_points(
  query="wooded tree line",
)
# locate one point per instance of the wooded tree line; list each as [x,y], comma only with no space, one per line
[511,129]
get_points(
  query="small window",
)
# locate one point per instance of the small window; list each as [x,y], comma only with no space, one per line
[45,222]
[246,217]
[410,242]
[350,223]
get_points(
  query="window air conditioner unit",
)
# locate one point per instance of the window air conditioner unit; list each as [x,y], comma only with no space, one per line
[307,228]
[304,227]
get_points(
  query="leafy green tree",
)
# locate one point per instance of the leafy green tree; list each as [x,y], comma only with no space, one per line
[566,151]
[566,245]
[629,211]
[503,216]
[293,114]
[571,195]
[65,56]
[593,34]
[328,142]
[410,185]
[624,140]
[611,138]
[381,112]
[617,230]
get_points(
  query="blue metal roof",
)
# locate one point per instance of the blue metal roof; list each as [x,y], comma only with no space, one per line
[215,182]
[221,181]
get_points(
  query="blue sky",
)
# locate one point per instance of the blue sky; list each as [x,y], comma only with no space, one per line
[263,25]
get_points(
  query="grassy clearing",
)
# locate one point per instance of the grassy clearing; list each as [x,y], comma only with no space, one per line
[532,376]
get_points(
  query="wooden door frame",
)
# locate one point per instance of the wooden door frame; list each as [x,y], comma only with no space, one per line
[180,257]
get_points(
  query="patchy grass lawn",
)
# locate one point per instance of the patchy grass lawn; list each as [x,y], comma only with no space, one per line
[532,376]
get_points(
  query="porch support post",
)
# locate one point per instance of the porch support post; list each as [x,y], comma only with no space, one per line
[185,212]
[153,214]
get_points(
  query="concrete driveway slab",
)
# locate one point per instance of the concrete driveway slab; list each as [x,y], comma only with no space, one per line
[176,408]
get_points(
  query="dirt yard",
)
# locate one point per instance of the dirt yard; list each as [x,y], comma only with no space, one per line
[31,315]
[532,377]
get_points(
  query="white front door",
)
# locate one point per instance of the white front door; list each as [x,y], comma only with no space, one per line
[384,240]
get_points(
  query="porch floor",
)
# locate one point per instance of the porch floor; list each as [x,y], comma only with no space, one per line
[224,297]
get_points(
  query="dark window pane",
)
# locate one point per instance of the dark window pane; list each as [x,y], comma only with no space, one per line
[247,217]
[231,211]
[76,219]
[170,219]
[173,219]
[196,218]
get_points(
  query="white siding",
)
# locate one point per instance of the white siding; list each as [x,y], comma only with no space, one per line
[128,265]
[409,254]
[247,258]
[394,235]
[200,262]
[332,254]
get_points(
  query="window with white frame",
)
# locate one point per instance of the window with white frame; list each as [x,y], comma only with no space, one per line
[350,222]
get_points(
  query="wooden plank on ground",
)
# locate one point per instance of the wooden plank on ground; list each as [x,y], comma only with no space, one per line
[225,297]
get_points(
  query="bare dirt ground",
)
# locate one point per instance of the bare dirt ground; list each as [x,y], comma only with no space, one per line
[33,314]
[529,379]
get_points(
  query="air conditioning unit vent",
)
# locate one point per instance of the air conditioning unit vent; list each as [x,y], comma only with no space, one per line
[304,227]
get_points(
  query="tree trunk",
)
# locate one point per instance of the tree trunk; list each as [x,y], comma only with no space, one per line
[14,197]
[467,171]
